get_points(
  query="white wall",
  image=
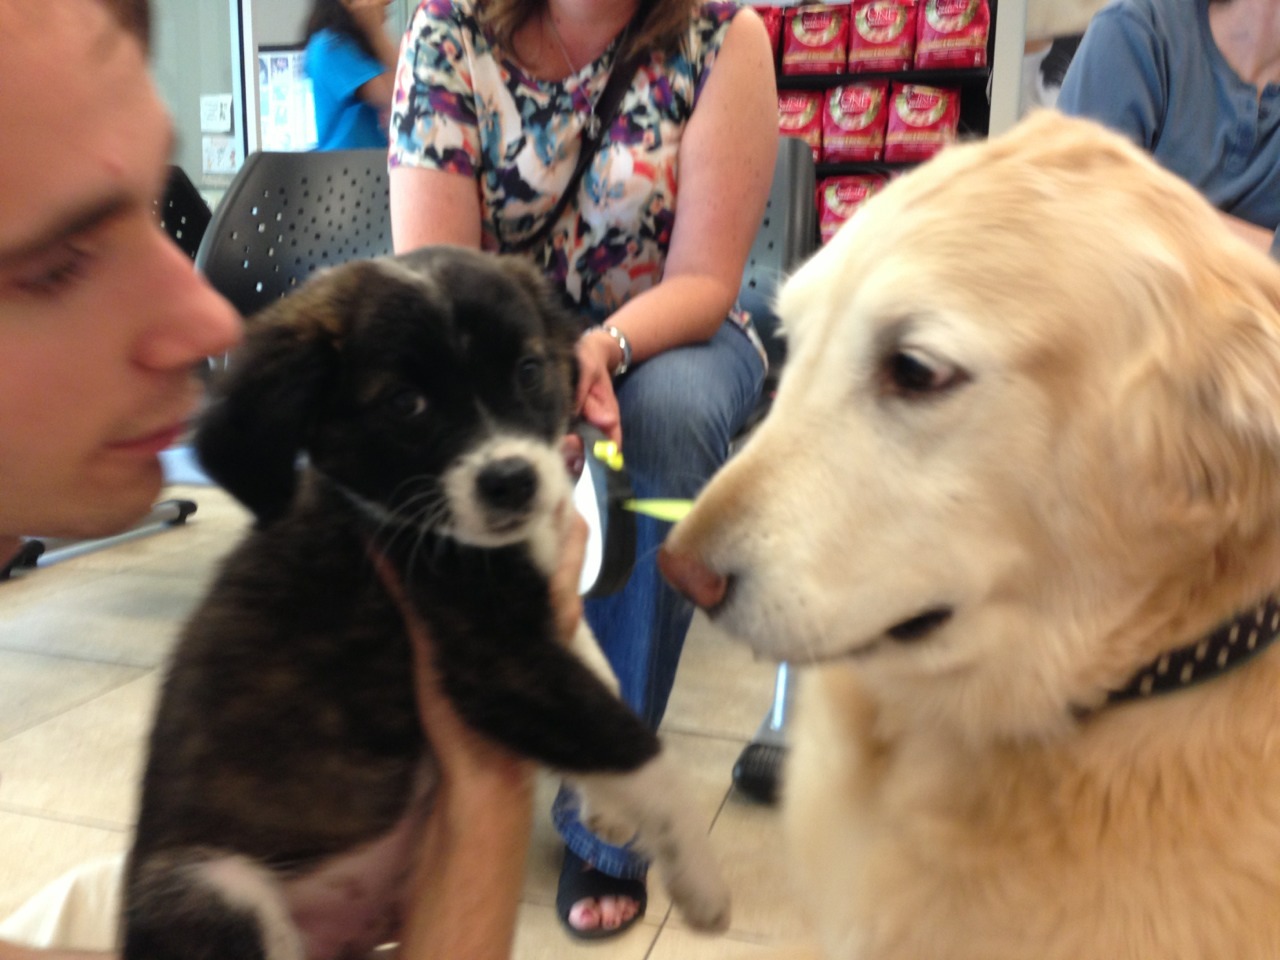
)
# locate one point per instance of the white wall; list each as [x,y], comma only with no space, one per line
[192,56]
[280,21]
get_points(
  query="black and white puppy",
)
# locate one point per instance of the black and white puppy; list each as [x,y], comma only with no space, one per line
[288,777]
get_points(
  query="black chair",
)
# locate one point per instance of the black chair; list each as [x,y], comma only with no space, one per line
[287,215]
[184,216]
[183,213]
[788,236]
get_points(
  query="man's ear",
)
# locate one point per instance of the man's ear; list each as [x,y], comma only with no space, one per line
[257,424]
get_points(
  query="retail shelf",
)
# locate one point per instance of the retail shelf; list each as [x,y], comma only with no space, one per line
[933,78]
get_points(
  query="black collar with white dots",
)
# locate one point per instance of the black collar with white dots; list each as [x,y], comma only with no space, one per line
[1229,645]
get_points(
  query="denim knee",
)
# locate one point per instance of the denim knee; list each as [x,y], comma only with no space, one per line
[681,409]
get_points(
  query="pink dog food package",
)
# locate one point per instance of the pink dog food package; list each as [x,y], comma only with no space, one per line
[854,122]
[815,39]
[772,17]
[840,197]
[882,35]
[800,115]
[952,34]
[922,120]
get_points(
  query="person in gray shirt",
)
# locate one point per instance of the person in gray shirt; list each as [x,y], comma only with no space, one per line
[1196,83]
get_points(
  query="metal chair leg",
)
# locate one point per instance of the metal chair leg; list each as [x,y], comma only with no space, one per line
[758,772]
[37,551]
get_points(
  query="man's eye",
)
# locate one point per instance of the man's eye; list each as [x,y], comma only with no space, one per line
[55,272]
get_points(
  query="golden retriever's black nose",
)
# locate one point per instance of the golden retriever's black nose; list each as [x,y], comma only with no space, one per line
[508,483]
[692,577]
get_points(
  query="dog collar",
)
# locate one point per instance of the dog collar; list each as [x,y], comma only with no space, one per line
[1232,643]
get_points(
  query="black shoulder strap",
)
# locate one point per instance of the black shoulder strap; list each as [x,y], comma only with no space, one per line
[593,135]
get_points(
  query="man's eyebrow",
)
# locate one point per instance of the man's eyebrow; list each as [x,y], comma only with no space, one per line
[70,224]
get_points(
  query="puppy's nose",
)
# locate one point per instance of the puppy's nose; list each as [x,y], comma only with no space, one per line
[508,483]
[692,577]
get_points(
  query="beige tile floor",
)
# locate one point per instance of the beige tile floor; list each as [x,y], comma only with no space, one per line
[81,644]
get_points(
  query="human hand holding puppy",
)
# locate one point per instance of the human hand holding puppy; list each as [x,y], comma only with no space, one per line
[477,837]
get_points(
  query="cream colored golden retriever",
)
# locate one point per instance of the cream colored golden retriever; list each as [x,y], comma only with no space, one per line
[1026,454]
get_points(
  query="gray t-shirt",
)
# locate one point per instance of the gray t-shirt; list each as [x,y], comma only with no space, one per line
[1151,70]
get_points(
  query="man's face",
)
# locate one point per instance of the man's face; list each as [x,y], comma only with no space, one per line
[102,319]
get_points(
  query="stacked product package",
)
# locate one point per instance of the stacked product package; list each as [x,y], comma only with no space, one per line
[880,118]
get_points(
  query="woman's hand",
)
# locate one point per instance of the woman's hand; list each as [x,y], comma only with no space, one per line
[596,402]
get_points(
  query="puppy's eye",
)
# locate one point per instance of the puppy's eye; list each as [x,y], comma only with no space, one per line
[529,373]
[406,404]
[914,373]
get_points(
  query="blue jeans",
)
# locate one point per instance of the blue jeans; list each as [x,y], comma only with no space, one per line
[680,410]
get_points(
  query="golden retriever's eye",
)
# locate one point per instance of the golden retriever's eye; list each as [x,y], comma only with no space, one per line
[406,404]
[913,373]
[529,373]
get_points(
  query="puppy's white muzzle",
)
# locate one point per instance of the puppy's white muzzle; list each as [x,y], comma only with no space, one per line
[508,490]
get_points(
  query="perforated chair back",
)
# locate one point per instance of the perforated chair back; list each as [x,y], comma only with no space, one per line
[287,215]
[788,235]
[182,212]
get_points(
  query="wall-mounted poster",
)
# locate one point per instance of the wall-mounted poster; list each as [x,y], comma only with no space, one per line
[220,156]
[285,101]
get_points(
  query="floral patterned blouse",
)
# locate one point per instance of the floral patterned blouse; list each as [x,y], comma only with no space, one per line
[461,106]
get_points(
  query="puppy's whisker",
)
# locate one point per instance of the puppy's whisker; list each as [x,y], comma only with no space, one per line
[421,512]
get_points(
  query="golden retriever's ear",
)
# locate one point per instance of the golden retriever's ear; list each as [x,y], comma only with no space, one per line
[251,435]
[1241,379]
[1222,421]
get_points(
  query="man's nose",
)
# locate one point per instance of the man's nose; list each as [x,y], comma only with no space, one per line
[189,319]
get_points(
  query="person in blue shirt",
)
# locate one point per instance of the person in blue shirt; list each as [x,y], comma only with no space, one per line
[1197,84]
[350,61]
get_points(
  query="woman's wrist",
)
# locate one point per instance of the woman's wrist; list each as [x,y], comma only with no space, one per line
[616,347]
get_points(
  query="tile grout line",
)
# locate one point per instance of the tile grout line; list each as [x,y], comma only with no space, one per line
[108,826]
[72,658]
[76,705]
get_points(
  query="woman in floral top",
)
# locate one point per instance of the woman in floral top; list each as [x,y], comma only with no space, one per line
[492,97]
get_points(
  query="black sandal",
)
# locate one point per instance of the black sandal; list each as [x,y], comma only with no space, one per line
[581,881]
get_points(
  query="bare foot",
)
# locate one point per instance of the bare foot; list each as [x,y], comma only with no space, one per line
[592,904]
[604,913]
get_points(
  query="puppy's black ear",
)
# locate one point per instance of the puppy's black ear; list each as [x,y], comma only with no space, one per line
[561,325]
[251,435]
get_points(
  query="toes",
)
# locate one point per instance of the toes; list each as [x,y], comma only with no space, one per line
[585,915]
[605,913]
[615,911]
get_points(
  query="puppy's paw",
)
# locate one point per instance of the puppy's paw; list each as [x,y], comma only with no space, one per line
[610,829]
[699,891]
[606,820]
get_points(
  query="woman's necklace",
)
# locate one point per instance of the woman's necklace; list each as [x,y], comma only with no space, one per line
[593,119]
